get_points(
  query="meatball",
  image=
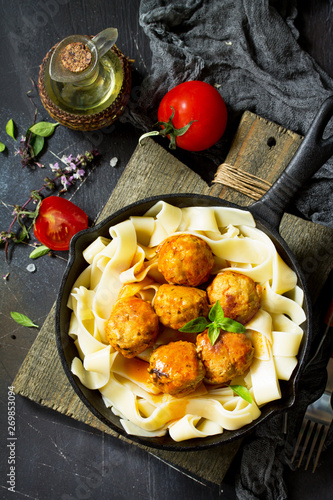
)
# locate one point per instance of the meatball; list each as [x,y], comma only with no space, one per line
[132,327]
[238,295]
[176,305]
[185,260]
[175,368]
[229,357]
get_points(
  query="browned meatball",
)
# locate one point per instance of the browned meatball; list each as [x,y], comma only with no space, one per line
[132,327]
[238,295]
[176,305]
[185,260]
[175,368]
[229,357]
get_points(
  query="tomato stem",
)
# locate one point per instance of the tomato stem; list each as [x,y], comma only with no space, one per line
[168,130]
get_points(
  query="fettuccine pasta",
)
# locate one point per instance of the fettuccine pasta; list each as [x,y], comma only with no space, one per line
[125,265]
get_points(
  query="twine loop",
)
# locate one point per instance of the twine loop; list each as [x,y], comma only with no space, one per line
[242,181]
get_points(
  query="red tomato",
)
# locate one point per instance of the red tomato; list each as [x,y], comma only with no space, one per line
[58,220]
[199,103]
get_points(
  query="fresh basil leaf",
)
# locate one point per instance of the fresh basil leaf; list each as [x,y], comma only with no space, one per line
[2,147]
[36,144]
[213,333]
[218,321]
[23,320]
[230,325]
[216,313]
[243,392]
[39,251]
[44,129]
[10,129]
[24,233]
[196,325]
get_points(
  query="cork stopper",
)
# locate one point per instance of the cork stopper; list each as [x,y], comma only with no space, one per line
[76,57]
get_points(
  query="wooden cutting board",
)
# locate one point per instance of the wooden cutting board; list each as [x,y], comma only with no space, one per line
[260,148]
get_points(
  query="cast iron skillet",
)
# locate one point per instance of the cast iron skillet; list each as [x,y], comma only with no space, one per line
[313,153]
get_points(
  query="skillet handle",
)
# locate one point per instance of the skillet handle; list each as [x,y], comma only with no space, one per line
[313,152]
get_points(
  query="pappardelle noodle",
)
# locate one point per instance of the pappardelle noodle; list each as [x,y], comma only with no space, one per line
[125,265]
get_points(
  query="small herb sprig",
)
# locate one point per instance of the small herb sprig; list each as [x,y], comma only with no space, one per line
[73,170]
[23,320]
[217,322]
[243,392]
[33,142]
[39,252]
[10,130]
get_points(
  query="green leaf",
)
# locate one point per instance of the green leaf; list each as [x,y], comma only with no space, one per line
[36,144]
[230,325]
[44,129]
[24,234]
[2,147]
[243,392]
[213,333]
[196,325]
[10,129]
[39,251]
[218,322]
[23,320]
[216,313]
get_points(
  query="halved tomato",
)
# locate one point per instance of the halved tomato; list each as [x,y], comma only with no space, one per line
[58,220]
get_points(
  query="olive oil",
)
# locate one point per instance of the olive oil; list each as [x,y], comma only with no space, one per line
[85,81]
[101,91]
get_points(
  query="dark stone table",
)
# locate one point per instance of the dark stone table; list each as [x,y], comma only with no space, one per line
[55,456]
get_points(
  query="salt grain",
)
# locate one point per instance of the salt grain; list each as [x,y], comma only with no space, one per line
[113,161]
[31,268]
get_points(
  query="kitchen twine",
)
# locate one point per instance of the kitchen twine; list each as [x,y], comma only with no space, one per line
[242,181]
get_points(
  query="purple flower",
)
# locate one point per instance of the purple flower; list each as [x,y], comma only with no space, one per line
[67,159]
[65,182]
[70,165]
[79,173]
[54,167]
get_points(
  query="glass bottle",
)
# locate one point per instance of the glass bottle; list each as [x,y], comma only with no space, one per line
[83,75]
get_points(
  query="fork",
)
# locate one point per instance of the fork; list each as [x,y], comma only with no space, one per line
[317,420]
[319,414]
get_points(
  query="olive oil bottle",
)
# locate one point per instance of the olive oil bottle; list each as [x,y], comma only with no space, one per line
[84,76]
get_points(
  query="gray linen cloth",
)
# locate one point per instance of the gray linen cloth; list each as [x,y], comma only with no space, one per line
[249,49]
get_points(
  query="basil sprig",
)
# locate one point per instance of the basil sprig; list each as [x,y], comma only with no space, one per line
[43,129]
[23,320]
[10,129]
[243,392]
[217,322]
[39,251]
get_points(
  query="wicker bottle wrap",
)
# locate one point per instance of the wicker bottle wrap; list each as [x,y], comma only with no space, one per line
[93,121]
